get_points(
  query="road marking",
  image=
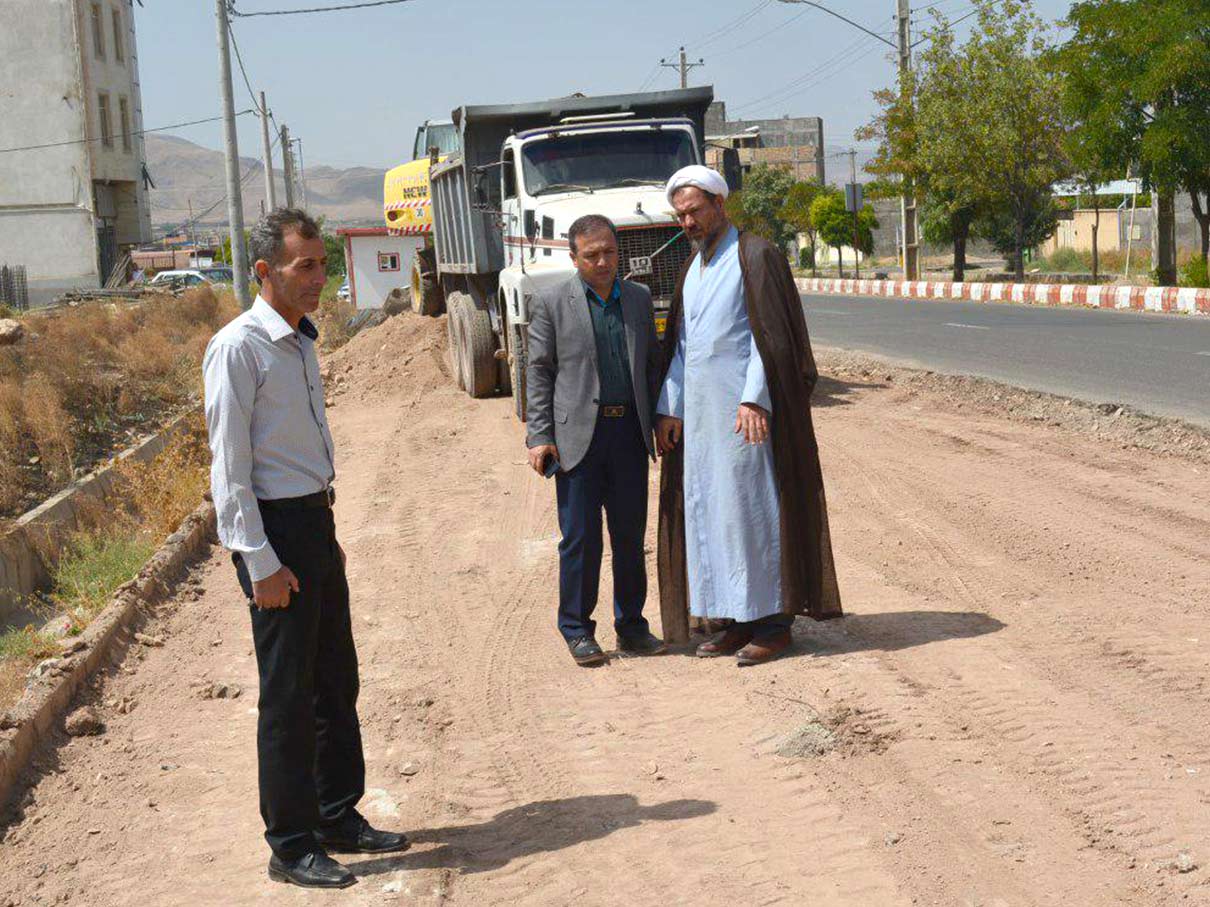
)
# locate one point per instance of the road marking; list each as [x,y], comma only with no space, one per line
[1204,353]
[973,327]
[829,312]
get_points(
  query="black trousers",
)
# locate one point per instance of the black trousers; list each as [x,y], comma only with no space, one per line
[613,477]
[308,741]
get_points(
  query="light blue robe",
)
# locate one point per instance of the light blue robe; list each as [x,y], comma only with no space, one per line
[732,529]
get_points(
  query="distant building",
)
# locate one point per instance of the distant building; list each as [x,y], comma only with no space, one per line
[377,263]
[792,142]
[70,207]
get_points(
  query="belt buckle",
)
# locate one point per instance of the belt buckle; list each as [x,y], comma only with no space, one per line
[613,412]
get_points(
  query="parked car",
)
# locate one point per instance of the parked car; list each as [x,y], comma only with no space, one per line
[192,277]
[343,293]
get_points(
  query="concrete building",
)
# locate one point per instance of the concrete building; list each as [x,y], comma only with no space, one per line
[377,263]
[70,207]
[792,142]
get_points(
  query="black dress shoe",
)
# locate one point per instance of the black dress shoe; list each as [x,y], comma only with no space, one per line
[646,643]
[585,651]
[312,870]
[361,838]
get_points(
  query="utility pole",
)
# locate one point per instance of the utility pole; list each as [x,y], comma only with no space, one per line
[270,189]
[235,200]
[302,175]
[911,245]
[192,234]
[287,165]
[684,66]
[855,205]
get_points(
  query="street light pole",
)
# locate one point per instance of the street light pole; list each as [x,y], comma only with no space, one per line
[235,201]
[270,189]
[907,201]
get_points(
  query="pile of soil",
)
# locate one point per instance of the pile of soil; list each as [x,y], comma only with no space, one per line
[404,354]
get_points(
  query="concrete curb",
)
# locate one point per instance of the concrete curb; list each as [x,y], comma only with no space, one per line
[33,721]
[1170,300]
[22,566]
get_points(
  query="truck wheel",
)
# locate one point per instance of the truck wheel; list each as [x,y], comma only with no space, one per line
[520,366]
[453,333]
[478,350]
[426,293]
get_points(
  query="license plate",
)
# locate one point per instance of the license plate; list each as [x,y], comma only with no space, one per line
[661,323]
[640,266]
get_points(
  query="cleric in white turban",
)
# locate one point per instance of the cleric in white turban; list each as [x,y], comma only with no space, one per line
[696,175]
[743,522]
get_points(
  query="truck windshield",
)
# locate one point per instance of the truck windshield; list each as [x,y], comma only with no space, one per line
[443,135]
[603,160]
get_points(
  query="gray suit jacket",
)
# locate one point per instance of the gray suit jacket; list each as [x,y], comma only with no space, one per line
[563,383]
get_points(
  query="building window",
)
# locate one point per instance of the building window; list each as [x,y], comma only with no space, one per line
[388,261]
[124,123]
[106,123]
[119,46]
[98,32]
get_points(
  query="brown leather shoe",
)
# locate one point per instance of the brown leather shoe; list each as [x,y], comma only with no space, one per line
[728,642]
[764,649]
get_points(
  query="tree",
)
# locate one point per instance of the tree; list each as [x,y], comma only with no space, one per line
[334,246]
[1137,80]
[835,224]
[758,206]
[1025,225]
[977,127]
[796,211]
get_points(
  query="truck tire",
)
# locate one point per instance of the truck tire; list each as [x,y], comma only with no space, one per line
[478,350]
[520,366]
[426,292]
[453,333]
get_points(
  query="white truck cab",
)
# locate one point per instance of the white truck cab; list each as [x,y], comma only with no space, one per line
[503,206]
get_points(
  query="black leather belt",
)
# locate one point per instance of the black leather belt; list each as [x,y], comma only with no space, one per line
[321,499]
[610,411]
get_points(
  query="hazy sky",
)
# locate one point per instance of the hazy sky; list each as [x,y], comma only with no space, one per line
[354,85]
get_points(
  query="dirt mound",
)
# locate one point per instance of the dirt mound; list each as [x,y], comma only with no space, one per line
[403,355]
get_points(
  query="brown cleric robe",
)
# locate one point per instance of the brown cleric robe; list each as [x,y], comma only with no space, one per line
[808,573]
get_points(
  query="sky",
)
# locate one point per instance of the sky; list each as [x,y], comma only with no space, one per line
[354,85]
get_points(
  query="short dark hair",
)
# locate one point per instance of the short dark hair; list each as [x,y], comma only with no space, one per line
[268,235]
[589,223]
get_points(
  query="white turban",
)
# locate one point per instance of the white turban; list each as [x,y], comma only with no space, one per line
[696,175]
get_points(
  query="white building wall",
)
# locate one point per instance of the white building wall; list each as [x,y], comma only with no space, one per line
[50,80]
[369,281]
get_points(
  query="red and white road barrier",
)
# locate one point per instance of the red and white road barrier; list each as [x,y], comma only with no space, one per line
[1185,300]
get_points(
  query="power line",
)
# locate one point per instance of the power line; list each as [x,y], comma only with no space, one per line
[727,27]
[316,9]
[137,132]
[243,72]
[762,35]
[843,18]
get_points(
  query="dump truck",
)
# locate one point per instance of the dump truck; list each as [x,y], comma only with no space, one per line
[407,210]
[503,202]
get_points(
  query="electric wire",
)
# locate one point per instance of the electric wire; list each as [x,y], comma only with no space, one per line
[315,9]
[136,132]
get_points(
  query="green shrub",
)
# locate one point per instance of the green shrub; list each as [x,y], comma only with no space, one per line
[91,569]
[1194,273]
[1065,260]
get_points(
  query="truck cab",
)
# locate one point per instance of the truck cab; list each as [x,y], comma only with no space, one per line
[502,206]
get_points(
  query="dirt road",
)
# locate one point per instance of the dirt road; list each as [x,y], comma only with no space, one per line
[1014,712]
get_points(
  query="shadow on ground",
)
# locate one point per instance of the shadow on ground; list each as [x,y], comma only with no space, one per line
[538,827]
[891,631]
[834,392]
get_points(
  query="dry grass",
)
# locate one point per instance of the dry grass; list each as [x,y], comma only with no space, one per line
[333,316]
[160,493]
[87,380]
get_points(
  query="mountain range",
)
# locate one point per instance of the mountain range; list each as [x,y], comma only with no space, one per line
[184,172]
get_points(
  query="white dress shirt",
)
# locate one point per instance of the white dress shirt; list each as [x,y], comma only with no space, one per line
[269,435]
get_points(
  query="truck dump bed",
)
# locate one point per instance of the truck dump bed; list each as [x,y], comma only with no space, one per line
[467,240]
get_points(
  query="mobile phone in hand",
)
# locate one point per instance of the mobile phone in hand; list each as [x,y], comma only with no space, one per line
[551,466]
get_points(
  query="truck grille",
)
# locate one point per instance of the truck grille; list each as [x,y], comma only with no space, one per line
[634,242]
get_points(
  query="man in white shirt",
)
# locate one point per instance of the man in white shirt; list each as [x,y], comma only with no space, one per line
[272,467]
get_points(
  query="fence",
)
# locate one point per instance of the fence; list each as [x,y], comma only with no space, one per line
[14,289]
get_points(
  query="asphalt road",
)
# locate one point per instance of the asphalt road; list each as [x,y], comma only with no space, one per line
[1159,364]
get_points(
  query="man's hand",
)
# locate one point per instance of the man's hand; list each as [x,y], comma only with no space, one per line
[538,455]
[753,423]
[274,591]
[668,433]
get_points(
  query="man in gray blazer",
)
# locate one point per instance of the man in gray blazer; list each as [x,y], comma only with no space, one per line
[594,372]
